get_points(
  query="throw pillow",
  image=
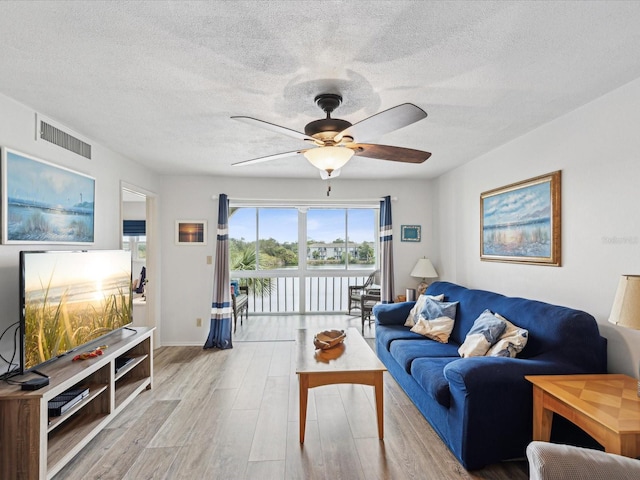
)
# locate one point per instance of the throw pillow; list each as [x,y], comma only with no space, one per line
[235,285]
[486,331]
[511,342]
[414,314]
[436,320]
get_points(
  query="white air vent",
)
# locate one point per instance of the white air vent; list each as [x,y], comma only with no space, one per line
[54,133]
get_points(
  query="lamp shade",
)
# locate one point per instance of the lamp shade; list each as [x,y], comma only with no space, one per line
[626,304]
[424,269]
[329,158]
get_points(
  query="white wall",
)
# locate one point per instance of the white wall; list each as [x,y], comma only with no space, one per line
[187,280]
[598,150]
[17,131]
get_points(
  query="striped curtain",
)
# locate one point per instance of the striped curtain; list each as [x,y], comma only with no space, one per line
[220,329]
[386,251]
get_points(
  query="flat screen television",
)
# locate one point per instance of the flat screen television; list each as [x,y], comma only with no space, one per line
[71,298]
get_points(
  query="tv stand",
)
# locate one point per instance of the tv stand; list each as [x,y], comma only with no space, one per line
[36,446]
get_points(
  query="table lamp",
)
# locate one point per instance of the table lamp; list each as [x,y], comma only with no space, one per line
[423,269]
[626,305]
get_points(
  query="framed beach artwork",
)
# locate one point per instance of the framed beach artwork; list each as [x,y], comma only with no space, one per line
[191,232]
[520,223]
[45,203]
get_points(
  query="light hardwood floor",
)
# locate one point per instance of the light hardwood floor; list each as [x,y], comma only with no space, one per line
[233,414]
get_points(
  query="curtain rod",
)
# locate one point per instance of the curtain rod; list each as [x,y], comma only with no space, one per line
[303,200]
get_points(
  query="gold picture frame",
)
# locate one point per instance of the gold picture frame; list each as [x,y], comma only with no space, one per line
[520,223]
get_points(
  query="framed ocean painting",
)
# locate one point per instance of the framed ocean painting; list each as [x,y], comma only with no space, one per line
[45,203]
[520,223]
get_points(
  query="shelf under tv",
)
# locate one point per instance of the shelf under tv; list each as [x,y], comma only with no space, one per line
[94,390]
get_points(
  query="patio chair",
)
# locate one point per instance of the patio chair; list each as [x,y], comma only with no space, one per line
[371,288]
[367,302]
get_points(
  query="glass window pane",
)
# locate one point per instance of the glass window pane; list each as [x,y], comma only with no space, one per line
[278,238]
[326,238]
[141,249]
[242,238]
[362,231]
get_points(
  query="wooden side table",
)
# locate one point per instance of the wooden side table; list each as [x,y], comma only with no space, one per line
[606,406]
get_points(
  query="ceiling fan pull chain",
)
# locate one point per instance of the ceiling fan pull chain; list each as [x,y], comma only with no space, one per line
[328,188]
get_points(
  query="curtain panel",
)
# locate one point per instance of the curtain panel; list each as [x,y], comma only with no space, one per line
[220,328]
[134,228]
[386,251]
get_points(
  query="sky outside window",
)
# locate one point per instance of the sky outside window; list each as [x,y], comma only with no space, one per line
[277,230]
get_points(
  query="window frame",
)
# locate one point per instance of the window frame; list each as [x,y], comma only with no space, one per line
[303,209]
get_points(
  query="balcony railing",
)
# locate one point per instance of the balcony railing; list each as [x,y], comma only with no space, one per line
[283,294]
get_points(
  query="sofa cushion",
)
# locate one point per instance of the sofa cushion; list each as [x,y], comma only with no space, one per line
[429,374]
[511,342]
[414,314]
[436,320]
[385,334]
[406,351]
[486,331]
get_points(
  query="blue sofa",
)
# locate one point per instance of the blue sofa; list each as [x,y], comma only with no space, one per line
[482,406]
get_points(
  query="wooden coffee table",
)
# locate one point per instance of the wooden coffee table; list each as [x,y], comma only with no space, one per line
[605,406]
[351,362]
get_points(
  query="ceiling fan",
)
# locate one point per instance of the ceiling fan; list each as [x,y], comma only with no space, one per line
[335,141]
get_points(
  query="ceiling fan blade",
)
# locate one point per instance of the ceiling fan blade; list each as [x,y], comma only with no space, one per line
[384,122]
[267,158]
[275,128]
[386,152]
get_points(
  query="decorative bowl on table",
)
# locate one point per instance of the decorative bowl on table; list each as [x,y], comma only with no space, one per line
[328,339]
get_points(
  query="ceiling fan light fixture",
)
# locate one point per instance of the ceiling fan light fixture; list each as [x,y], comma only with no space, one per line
[329,158]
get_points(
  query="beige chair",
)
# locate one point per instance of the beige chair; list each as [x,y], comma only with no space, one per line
[370,287]
[550,461]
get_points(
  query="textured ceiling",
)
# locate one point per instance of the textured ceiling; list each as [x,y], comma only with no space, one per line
[158,80]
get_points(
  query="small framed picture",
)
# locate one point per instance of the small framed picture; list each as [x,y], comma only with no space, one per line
[410,233]
[191,232]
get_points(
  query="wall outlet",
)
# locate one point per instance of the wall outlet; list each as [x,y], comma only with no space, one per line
[209,259]
[198,322]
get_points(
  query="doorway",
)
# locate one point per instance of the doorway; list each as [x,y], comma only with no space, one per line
[138,213]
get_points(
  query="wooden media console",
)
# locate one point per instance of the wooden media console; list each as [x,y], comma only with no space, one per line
[34,446]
